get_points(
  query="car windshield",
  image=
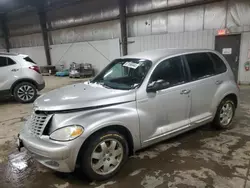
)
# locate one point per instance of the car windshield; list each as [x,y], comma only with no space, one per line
[124,74]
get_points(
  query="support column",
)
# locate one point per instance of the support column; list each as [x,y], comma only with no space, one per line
[43,24]
[123,23]
[5,32]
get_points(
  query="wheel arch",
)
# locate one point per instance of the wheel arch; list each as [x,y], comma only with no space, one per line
[22,80]
[119,128]
[233,97]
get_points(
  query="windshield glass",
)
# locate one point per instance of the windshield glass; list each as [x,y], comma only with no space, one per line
[124,74]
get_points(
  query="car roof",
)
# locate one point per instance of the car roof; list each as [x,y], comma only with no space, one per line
[156,55]
[7,54]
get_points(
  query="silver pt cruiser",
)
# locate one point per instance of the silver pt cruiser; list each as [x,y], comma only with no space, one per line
[136,101]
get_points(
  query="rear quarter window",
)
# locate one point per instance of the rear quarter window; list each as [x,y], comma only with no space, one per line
[29,60]
[219,64]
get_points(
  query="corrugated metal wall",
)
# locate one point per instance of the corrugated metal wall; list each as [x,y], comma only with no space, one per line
[82,13]
[98,53]
[197,39]
[233,15]
[24,23]
[244,76]
[26,40]
[2,42]
[210,16]
[99,31]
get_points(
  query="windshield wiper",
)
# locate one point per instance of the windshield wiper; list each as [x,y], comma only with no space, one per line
[105,85]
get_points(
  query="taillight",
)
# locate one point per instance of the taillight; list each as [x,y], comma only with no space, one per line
[35,68]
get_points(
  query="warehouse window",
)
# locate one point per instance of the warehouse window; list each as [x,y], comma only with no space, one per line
[200,65]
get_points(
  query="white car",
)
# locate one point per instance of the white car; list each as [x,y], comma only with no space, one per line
[19,77]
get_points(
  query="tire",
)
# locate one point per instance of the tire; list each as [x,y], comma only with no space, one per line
[104,159]
[218,120]
[28,90]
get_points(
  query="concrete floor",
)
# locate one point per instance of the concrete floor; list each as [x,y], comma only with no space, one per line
[200,158]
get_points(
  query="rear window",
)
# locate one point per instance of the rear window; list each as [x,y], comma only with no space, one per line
[29,60]
[220,66]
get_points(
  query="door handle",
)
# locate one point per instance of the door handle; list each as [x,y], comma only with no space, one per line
[218,82]
[236,59]
[185,92]
[14,70]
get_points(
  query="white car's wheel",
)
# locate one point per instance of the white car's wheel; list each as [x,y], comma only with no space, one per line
[25,92]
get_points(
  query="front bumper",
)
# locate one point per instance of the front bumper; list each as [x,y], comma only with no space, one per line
[55,155]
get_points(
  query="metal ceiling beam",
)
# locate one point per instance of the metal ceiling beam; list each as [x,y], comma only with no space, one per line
[43,23]
[186,5]
[123,24]
[5,32]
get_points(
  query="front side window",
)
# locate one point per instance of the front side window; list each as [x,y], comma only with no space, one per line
[170,71]
[200,65]
[124,74]
[3,62]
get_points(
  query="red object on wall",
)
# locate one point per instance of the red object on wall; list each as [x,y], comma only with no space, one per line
[222,32]
[247,66]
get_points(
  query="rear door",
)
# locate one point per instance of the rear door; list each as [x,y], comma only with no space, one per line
[9,72]
[202,85]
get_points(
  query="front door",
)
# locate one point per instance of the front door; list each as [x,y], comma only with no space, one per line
[167,110]
[229,47]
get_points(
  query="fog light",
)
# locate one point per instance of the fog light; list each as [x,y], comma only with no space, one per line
[52,163]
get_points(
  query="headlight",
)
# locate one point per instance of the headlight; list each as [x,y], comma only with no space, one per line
[67,133]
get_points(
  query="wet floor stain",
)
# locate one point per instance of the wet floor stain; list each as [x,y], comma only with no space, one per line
[203,157]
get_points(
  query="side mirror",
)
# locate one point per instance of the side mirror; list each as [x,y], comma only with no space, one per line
[157,85]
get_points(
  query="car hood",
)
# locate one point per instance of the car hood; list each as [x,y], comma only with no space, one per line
[82,95]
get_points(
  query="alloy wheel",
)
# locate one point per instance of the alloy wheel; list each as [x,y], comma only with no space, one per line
[25,92]
[226,113]
[107,156]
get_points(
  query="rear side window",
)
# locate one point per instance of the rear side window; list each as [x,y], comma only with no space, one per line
[220,66]
[200,65]
[10,61]
[29,60]
[3,62]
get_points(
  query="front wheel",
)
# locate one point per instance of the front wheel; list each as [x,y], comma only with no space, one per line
[225,113]
[25,92]
[104,155]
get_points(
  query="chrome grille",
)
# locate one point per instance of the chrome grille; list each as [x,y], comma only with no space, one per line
[38,122]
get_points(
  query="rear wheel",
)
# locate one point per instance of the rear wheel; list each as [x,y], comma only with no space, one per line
[25,92]
[225,114]
[104,155]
